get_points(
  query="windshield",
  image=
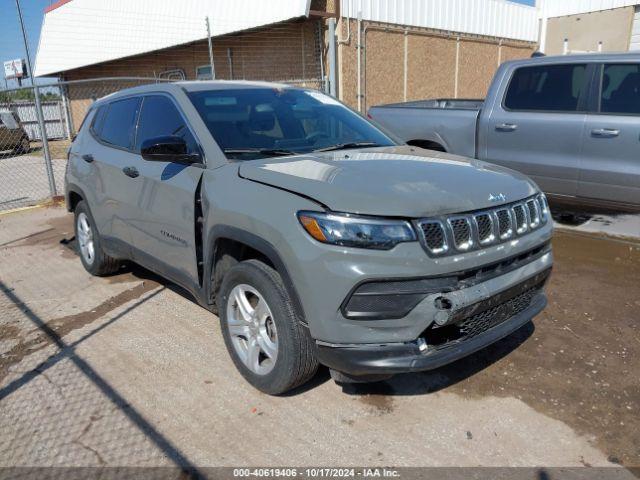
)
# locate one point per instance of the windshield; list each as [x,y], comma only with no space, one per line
[261,122]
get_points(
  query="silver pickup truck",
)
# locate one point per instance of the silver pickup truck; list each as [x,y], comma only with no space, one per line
[571,123]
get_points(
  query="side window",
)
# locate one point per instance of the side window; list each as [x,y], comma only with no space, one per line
[546,88]
[118,126]
[620,91]
[160,117]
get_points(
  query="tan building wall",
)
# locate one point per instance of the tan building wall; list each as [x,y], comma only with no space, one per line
[430,57]
[584,31]
[285,52]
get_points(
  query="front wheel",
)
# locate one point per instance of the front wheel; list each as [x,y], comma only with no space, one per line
[265,338]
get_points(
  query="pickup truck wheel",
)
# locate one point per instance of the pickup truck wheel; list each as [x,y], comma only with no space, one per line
[266,340]
[93,258]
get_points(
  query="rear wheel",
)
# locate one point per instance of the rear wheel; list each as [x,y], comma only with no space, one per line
[266,340]
[94,259]
[23,147]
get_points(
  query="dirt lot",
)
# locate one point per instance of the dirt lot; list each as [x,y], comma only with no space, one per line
[128,371]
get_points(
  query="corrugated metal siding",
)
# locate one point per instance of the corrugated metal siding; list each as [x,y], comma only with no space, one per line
[634,44]
[86,32]
[495,18]
[559,8]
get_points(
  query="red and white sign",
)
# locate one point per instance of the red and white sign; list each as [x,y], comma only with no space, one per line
[14,69]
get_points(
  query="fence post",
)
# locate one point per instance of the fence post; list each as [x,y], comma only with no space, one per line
[333,74]
[65,107]
[213,68]
[43,131]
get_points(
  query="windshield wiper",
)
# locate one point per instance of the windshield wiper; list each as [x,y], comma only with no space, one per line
[344,146]
[261,151]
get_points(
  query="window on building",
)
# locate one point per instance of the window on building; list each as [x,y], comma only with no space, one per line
[547,88]
[203,72]
[119,122]
[159,117]
[620,92]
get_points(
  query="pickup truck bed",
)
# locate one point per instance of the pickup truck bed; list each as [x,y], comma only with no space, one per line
[422,123]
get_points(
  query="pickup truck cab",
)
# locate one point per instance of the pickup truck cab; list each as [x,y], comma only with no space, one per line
[315,236]
[571,123]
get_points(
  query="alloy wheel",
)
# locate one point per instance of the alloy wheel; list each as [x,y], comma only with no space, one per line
[252,329]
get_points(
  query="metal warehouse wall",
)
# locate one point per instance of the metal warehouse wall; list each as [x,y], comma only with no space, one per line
[433,62]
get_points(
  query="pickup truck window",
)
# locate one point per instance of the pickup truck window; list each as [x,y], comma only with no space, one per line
[620,91]
[119,123]
[160,117]
[255,123]
[546,88]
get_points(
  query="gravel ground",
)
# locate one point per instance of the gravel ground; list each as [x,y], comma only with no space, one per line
[24,181]
[128,371]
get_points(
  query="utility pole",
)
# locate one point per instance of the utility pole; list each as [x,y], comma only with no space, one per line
[43,132]
[213,70]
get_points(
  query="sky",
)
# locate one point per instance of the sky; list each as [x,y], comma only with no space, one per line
[11,45]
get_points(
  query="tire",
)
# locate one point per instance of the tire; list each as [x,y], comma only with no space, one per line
[93,258]
[23,147]
[275,328]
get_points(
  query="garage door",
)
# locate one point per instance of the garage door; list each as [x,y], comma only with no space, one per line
[635,32]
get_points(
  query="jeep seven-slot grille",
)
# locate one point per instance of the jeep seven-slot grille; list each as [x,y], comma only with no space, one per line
[474,230]
[505,227]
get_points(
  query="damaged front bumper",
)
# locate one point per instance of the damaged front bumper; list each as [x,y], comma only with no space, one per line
[463,328]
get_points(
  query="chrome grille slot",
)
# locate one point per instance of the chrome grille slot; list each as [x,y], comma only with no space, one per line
[448,234]
[534,213]
[434,236]
[484,224]
[461,228]
[505,225]
[521,218]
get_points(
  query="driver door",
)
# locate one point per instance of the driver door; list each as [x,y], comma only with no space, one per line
[164,227]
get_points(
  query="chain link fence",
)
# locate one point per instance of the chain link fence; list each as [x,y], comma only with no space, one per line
[25,176]
[28,176]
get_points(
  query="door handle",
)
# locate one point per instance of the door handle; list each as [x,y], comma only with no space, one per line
[506,127]
[131,172]
[87,157]
[605,133]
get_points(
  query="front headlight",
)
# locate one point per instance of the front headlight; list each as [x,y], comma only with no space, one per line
[544,206]
[355,231]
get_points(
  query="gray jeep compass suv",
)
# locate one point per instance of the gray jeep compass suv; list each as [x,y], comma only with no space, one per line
[316,237]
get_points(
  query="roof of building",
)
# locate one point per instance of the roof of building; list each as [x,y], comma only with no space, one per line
[78,33]
[555,8]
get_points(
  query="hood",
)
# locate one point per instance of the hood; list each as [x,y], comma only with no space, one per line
[399,181]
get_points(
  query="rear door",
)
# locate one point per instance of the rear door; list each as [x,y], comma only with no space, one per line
[110,152]
[538,126]
[164,227]
[611,144]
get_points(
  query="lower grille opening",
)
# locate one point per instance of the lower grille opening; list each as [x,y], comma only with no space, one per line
[469,327]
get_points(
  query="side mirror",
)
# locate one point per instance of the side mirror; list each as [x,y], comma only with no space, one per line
[167,149]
